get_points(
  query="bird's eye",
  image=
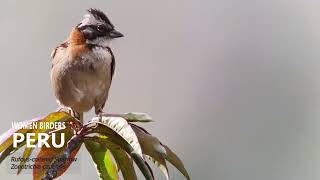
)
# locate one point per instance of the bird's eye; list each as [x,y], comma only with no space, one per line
[102,28]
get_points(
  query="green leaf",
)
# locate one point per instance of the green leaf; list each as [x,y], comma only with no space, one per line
[50,153]
[145,138]
[137,117]
[121,127]
[125,164]
[150,147]
[175,161]
[10,150]
[102,157]
[61,162]
[53,117]
[6,139]
[115,138]
[133,117]
[143,166]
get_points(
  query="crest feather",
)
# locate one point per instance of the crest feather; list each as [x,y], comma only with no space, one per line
[99,15]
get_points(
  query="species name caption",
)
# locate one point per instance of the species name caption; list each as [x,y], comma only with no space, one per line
[57,141]
[29,163]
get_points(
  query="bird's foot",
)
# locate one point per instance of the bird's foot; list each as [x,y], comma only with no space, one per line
[74,114]
[99,112]
[100,116]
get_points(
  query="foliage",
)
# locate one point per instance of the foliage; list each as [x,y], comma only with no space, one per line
[113,141]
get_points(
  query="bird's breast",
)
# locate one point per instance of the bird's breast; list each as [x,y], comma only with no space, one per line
[79,82]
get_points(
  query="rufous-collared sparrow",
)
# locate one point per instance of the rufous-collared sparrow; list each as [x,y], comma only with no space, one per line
[83,66]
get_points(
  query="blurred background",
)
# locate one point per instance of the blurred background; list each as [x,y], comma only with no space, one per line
[233,85]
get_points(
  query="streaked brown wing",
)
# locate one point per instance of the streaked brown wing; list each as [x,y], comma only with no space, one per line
[63,45]
[113,62]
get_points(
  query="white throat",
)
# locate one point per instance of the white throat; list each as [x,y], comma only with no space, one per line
[100,41]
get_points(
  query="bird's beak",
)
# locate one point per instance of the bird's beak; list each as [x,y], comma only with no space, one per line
[115,34]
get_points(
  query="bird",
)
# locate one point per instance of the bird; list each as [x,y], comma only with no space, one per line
[82,67]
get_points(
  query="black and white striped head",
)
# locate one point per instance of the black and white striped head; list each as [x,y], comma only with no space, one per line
[97,28]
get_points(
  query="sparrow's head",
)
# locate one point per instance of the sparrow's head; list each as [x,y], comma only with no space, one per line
[97,28]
